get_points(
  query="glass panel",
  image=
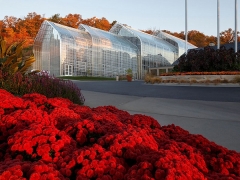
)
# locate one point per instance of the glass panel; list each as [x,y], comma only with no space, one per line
[56,45]
[86,51]
[177,42]
[111,54]
[154,51]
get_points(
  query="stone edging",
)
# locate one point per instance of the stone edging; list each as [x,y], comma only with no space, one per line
[194,79]
[200,78]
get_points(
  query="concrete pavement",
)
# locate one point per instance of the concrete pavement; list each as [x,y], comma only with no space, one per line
[219,121]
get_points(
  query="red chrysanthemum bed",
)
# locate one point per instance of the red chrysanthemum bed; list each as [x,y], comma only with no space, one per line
[52,138]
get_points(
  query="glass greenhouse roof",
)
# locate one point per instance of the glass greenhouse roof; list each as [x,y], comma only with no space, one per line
[110,38]
[180,42]
[68,31]
[43,34]
[144,37]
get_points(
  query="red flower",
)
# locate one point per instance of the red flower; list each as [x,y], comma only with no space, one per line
[56,139]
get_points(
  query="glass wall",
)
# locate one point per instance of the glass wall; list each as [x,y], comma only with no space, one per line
[111,54]
[154,51]
[42,47]
[61,50]
[65,51]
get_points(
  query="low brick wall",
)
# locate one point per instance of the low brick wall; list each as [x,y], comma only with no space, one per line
[200,78]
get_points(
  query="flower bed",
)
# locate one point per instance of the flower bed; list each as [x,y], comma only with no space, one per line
[194,78]
[201,73]
[52,138]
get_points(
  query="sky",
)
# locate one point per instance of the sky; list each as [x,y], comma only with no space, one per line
[139,14]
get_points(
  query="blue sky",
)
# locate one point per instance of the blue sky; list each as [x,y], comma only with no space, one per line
[139,14]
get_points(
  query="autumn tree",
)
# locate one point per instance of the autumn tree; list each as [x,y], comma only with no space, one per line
[10,22]
[102,23]
[71,20]
[227,36]
[16,29]
[90,21]
[180,35]
[9,28]
[55,18]
[211,40]
[33,22]
[1,27]
[149,31]
[21,31]
[197,38]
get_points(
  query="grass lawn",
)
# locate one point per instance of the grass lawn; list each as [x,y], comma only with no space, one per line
[87,78]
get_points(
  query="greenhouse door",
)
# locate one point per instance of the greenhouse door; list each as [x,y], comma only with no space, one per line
[68,70]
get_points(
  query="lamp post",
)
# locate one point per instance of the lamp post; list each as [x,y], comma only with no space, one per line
[218,36]
[236,36]
[186,33]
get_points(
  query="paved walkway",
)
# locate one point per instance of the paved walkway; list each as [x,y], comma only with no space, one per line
[217,120]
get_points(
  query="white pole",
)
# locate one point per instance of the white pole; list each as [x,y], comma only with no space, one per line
[218,35]
[186,33]
[236,36]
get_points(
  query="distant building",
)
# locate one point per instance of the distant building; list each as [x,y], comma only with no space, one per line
[227,46]
[65,51]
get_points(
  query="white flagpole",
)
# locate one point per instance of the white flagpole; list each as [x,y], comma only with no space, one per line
[236,36]
[186,33]
[218,35]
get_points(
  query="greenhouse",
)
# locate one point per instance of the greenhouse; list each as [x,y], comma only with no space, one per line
[65,51]
[87,51]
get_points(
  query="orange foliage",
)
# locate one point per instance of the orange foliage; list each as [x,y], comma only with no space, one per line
[16,29]
[71,20]
[149,31]
[98,23]
[195,37]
